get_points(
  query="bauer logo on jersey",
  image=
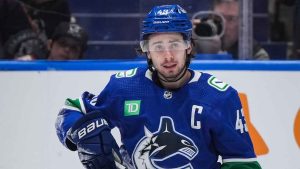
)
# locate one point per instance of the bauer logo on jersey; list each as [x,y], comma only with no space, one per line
[132,107]
[128,73]
[165,148]
[218,84]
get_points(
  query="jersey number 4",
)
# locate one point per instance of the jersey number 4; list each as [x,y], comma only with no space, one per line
[240,123]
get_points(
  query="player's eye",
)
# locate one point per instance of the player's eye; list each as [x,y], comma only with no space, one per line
[158,48]
[175,46]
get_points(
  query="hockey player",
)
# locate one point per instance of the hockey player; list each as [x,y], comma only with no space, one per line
[169,116]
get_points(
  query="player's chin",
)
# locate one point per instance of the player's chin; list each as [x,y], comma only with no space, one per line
[171,75]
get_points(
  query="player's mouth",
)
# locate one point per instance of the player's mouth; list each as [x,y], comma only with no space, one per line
[170,66]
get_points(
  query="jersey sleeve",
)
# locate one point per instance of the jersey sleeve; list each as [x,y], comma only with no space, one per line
[230,134]
[67,116]
[74,109]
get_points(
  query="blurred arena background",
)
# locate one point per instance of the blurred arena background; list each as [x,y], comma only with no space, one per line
[113,26]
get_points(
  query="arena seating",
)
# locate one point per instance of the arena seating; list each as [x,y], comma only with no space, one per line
[113,26]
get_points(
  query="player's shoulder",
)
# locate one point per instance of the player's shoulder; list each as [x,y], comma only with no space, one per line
[129,74]
[213,86]
[127,77]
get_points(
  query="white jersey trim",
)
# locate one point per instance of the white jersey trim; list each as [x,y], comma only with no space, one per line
[148,74]
[82,106]
[196,77]
[71,108]
[239,160]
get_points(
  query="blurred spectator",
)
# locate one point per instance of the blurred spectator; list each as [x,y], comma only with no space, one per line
[16,35]
[208,28]
[45,15]
[296,36]
[279,30]
[68,42]
[26,45]
[229,9]
[296,28]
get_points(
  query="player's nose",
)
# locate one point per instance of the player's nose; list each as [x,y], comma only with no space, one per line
[168,55]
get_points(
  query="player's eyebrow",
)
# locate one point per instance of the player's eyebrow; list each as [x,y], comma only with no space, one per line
[175,40]
[170,41]
[158,42]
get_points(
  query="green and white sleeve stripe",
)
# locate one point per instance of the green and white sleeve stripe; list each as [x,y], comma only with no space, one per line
[75,104]
[250,163]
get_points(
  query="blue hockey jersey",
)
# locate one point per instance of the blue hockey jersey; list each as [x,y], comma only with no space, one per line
[188,127]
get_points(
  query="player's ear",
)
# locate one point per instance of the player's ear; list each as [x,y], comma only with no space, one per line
[148,55]
[189,50]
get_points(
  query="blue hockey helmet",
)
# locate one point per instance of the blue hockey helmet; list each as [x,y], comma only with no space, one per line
[167,18]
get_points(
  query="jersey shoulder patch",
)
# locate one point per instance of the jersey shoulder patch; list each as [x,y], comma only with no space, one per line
[217,84]
[126,74]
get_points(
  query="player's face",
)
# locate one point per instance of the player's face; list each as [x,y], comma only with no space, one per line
[168,54]
[230,11]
